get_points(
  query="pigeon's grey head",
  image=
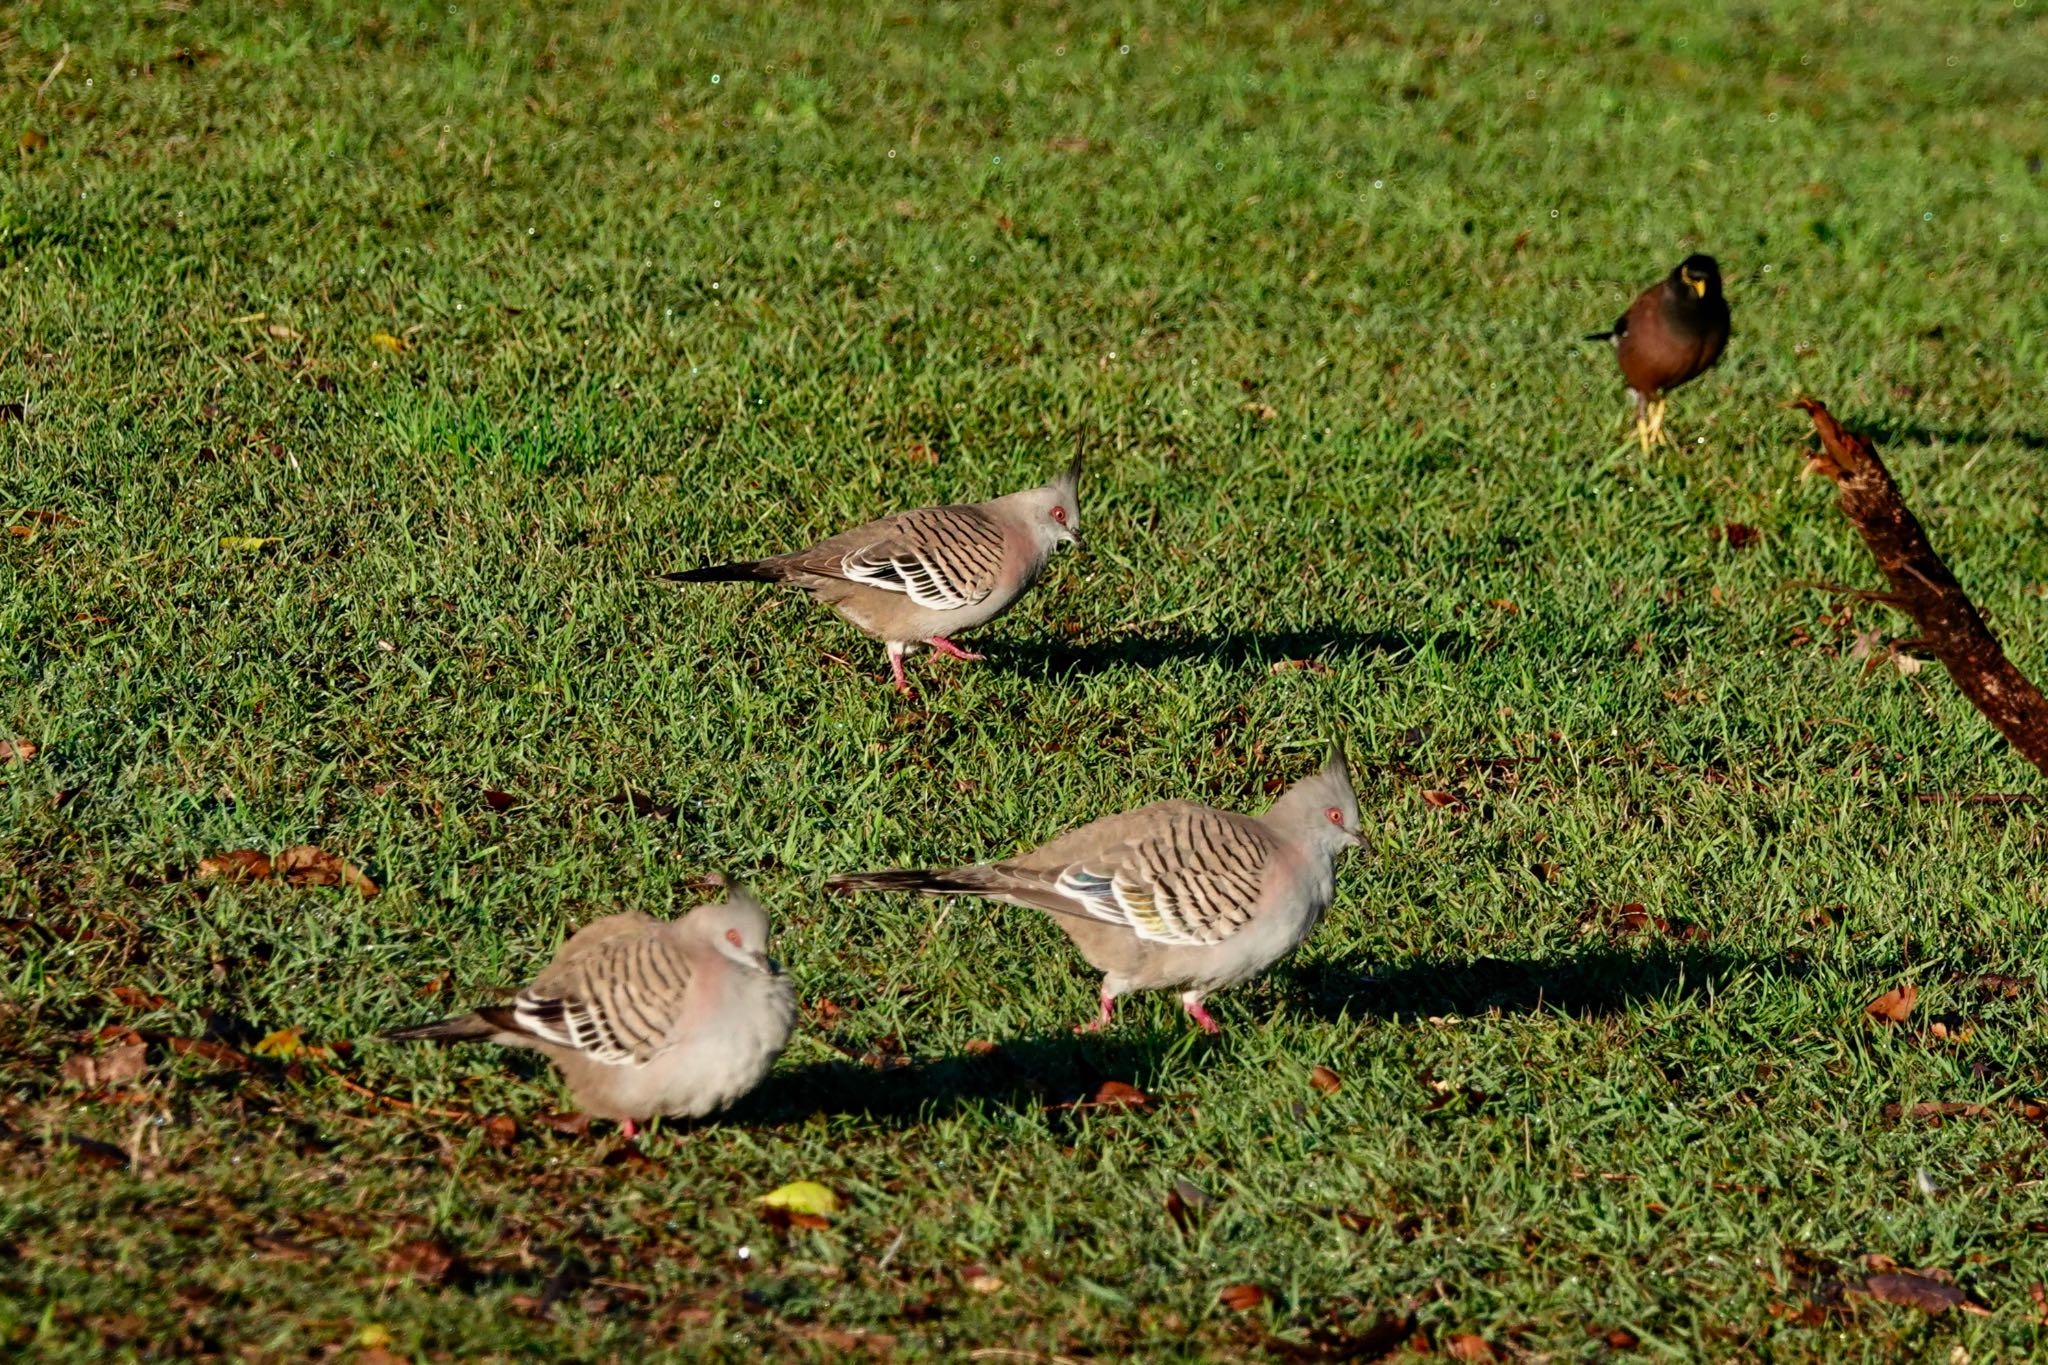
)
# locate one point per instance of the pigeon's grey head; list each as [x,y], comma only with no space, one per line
[736,927]
[1053,512]
[1320,810]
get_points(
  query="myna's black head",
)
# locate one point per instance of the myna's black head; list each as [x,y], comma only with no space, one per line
[1697,277]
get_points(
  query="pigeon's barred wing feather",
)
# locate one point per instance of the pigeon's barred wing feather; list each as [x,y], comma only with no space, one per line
[942,558]
[1191,879]
[617,1004]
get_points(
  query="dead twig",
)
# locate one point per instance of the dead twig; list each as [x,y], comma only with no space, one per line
[1951,628]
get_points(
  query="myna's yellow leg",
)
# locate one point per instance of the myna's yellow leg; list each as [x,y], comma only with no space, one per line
[1657,432]
[1642,419]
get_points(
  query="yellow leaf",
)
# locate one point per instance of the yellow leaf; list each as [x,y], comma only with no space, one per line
[248,543]
[283,1043]
[373,1337]
[387,342]
[803,1196]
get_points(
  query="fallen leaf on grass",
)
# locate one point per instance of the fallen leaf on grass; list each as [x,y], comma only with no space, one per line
[1738,536]
[219,1053]
[33,141]
[570,1125]
[1469,1347]
[499,801]
[1375,1341]
[501,1131]
[236,865]
[1184,1201]
[981,1047]
[1241,1298]
[1895,1005]
[1996,986]
[1442,800]
[426,1258]
[308,865]
[115,1066]
[384,341]
[1265,412]
[802,1197]
[981,1282]
[1621,1339]
[17,750]
[1117,1095]
[136,999]
[1069,144]
[1298,665]
[248,544]
[1911,1289]
[1325,1080]
[282,1043]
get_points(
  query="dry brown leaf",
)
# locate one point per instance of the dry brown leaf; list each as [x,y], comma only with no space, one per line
[236,865]
[33,141]
[1241,1298]
[1265,412]
[1469,1347]
[219,1053]
[115,1066]
[1442,800]
[425,1258]
[1895,1005]
[1293,665]
[384,341]
[1325,1080]
[309,865]
[1069,144]
[1117,1095]
[501,1131]
[1911,1289]
[17,750]
[136,999]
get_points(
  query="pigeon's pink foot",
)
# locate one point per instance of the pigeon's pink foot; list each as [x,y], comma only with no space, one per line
[1193,1005]
[626,1127]
[896,668]
[1100,1021]
[953,651]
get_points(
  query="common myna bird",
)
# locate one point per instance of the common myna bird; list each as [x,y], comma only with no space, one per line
[1671,334]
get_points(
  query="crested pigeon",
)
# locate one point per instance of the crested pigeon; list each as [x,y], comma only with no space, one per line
[648,1017]
[1174,894]
[921,577]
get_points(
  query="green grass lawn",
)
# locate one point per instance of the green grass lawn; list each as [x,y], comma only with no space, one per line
[654,290]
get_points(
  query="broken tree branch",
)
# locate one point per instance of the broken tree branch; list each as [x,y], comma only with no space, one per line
[1922,587]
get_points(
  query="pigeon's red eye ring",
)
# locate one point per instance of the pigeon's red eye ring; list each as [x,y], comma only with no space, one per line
[1336,816]
[1059,514]
[732,936]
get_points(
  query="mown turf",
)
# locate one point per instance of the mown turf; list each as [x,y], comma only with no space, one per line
[1308,283]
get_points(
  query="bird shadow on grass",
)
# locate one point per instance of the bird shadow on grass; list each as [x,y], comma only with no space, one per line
[1322,644]
[1060,1073]
[1882,435]
[1064,1074]
[1590,983]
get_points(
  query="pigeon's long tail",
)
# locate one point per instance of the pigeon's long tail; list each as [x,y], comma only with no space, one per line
[458,1029]
[744,571]
[940,881]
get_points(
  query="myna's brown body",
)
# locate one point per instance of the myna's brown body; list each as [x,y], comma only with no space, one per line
[1671,334]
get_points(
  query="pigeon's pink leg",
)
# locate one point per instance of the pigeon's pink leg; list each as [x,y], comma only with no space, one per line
[1100,1021]
[953,651]
[896,667]
[626,1127]
[1192,1003]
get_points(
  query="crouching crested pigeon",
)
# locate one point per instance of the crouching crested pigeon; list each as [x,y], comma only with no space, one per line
[647,1017]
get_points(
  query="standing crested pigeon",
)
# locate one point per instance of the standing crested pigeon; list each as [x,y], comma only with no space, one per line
[1174,894]
[644,1016]
[923,576]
